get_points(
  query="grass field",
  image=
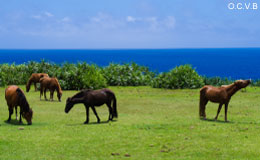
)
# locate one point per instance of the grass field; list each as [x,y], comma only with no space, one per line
[152,124]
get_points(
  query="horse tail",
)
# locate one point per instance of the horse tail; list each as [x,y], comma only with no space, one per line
[114,106]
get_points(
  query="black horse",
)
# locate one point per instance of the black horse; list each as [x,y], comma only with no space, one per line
[92,98]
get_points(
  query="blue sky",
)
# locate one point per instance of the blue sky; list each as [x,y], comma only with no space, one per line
[101,24]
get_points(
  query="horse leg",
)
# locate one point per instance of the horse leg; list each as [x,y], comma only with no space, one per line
[226,109]
[10,113]
[35,87]
[20,120]
[94,110]
[51,94]
[110,116]
[16,112]
[41,92]
[45,94]
[203,103]
[219,108]
[87,114]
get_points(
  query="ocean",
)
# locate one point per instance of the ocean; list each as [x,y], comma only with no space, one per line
[234,63]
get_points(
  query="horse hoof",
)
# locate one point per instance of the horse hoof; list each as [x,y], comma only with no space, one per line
[98,121]
[86,122]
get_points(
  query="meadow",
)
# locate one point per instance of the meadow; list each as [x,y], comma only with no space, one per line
[152,124]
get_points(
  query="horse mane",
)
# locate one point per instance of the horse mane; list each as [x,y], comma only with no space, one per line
[228,87]
[58,84]
[86,90]
[22,100]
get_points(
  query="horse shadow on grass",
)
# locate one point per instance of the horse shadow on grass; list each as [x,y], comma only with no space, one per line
[14,122]
[48,100]
[91,123]
[217,121]
[230,122]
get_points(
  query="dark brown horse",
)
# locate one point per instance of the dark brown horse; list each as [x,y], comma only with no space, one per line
[51,84]
[221,95]
[35,78]
[15,97]
[92,98]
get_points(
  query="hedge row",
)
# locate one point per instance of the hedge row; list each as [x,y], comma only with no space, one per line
[82,75]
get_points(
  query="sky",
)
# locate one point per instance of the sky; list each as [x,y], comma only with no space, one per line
[128,24]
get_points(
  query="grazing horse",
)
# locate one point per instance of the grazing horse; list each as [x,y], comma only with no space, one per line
[51,84]
[35,78]
[92,98]
[221,95]
[15,97]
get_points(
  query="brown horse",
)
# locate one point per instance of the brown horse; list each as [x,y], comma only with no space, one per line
[92,98]
[15,97]
[221,95]
[35,78]
[51,84]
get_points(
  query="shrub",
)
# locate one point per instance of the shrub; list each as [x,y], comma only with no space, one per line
[179,77]
[127,75]
[71,76]
[216,81]
[79,76]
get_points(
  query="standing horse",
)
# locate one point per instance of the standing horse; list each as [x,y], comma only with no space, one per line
[51,84]
[35,78]
[15,97]
[92,98]
[221,95]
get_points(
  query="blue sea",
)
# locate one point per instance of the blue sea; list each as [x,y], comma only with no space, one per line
[235,63]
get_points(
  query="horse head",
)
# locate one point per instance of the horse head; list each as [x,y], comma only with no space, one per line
[28,86]
[59,95]
[69,105]
[28,116]
[242,83]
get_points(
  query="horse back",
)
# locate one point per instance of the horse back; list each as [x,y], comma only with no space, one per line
[99,97]
[37,76]
[214,94]
[11,96]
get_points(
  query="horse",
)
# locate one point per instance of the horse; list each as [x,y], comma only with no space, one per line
[92,98]
[51,84]
[15,97]
[221,95]
[35,78]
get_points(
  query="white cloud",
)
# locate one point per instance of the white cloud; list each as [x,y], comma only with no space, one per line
[130,19]
[170,22]
[48,14]
[65,19]
[36,16]
[153,23]
[42,15]
[105,21]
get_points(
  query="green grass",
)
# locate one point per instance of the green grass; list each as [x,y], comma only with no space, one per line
[152,124]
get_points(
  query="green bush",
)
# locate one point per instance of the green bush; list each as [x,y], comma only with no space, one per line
[79,76]
[71,76]
[82,75]
[217,81]
[183,76]
[256,83]
[13,74]
[127,75]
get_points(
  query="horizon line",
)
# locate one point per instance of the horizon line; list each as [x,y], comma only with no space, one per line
[128,48]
